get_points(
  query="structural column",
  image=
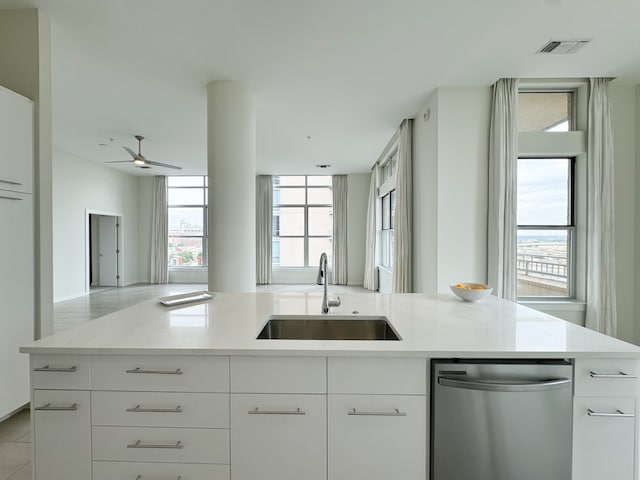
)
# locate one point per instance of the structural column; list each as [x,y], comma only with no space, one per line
[231,145]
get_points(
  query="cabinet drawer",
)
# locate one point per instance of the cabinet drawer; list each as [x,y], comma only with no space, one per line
[60,372]
[603,446]
[149,471]
[278,375]
[404,376]
[140,444]
[606,377]
[377,437]
[160,409]
[161,373]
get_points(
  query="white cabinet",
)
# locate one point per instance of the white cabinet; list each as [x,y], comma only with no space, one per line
[377,418]
[604,423]
[17,247]
[16,142]
[278,437]
[16,298]
[62,434]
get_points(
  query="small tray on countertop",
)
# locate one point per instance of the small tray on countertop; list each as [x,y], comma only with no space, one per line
[183,298]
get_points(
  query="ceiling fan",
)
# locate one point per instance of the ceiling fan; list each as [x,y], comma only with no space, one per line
[140,161]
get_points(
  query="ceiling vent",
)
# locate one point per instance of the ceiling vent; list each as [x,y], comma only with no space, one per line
[563,46]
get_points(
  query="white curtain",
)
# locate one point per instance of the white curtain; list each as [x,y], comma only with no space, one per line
[339,259]
[601,278]
[402,236]
[503,158]
[159,232]
[264,215]
[370,261]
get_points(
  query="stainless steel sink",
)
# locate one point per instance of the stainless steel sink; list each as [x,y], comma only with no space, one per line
[327,327]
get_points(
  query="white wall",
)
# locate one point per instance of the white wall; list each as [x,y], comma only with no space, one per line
[357,203]
[624,136]
[80,185]
[450,188]
[25,57]
[637,216]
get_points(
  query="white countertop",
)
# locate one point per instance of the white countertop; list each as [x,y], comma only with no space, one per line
[430,326]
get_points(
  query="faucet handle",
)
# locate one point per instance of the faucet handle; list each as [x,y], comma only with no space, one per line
[334,303]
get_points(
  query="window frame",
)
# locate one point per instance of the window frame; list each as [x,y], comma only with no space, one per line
[205,221]
[387,167]
[305,206]
[570,228]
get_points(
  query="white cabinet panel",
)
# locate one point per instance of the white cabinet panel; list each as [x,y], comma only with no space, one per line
[402,376]
[603,446]
[140,444]
[285,439]
[278,375]
[16,142]
[170,373]
[165,471]
[606,377]
[61,371]
[160,409]
[16,297]
[377,437]
[62,435]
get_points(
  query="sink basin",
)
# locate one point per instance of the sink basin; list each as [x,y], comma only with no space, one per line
[327,327]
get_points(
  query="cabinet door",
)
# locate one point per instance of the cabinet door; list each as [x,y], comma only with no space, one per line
[377,437]
[16,298]
[62,434]
[16,142]
[603,442]
[278,437]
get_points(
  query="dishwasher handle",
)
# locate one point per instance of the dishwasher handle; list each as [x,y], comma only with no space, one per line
[551,384]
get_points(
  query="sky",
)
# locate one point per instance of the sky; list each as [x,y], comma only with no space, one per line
[542,191]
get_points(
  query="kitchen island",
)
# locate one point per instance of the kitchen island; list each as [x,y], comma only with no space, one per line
[189,392]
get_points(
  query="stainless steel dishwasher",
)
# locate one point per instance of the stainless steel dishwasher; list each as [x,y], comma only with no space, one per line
[498,420]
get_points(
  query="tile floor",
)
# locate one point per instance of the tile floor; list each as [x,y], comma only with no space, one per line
[15,434]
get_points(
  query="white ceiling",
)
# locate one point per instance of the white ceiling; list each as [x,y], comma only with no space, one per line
[344,72]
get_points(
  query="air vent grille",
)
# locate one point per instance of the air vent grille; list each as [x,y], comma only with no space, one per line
[565,47]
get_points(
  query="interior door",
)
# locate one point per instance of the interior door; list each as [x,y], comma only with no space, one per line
[108,251]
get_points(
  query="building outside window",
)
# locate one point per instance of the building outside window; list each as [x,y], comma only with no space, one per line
[302,220]
[548,265]
[187,219]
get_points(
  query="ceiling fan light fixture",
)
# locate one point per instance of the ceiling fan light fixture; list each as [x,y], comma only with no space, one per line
[139,161]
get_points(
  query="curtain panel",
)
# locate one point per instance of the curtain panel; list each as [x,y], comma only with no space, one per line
[370,260]
[339,259]
[601,279]
[502,220]
[264,214]
[159,232]
[403,230]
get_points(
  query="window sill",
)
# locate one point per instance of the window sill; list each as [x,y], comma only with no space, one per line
[187,267]
[556,306]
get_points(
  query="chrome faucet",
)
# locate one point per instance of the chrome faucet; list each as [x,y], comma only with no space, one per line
[322,280]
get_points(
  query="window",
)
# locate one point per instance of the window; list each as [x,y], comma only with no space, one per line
[187,209]
[546,227]
[546,111]
[387,207]
[302,220]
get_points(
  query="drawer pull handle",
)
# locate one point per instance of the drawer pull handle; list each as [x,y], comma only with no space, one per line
[140,477]
[138,444]
[9,182]
[177,371]
[9,198]
[139,409]
[65,408]
[257,411]
[394,413]
[619,414]
[49,368]
[620,374]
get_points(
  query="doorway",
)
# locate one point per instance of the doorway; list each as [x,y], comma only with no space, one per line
[104,251]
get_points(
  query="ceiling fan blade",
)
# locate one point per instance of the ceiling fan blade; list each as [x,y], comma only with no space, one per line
[120,161]
[158,164]
[131,152]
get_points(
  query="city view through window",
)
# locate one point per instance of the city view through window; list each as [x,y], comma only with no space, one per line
[545,227]
[187,219]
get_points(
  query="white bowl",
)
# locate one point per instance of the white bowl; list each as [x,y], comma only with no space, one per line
[471,292]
